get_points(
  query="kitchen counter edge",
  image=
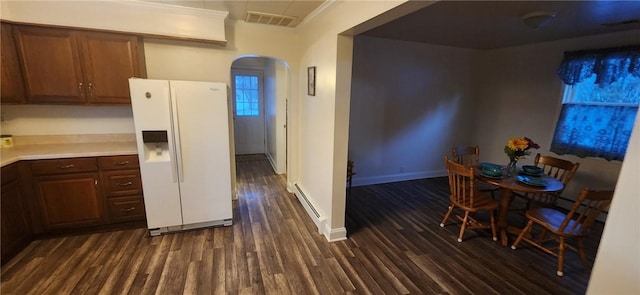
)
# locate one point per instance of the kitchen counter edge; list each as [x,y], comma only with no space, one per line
[65,150]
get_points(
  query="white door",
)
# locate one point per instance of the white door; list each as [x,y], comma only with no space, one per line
[248,112]
[201,126]
[151,104]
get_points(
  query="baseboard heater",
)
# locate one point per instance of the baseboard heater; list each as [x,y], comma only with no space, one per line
[317,218]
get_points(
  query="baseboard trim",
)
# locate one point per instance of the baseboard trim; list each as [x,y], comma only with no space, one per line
[336,234]
[360,181]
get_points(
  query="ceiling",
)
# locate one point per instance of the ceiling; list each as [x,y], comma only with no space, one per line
[466,24]
[498,24]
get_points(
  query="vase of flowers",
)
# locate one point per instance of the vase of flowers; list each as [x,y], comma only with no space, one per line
[516,149]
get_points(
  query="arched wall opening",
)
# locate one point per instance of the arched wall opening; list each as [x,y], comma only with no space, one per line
[259,96]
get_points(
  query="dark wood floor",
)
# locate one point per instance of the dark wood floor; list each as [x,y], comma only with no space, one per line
[395,246]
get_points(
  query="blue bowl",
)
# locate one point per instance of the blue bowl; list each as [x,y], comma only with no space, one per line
[532,169]
[491,171]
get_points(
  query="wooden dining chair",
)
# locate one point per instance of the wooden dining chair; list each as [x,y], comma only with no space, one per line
[470,156]
[559,169]
[350,174]
[464,195]
[574,224]
[466,155]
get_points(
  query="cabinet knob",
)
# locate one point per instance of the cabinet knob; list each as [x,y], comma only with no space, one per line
[128,209]
[80,89]
[121,163]
[91,89]
[66,166]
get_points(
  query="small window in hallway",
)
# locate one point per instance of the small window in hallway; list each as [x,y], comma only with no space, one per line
[247,96]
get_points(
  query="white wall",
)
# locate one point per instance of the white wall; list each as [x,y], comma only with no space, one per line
[270,110]
[275,85]
[323,137]
[521,94]
[617,265]
[410,103]
[66,120]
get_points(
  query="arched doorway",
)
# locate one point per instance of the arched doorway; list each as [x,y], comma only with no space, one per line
[259,93]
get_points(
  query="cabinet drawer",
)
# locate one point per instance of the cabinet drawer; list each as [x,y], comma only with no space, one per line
[126,208]
[118,162]
[122,182]
[60,166]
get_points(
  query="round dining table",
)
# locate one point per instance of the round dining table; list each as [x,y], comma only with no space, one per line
[509,184]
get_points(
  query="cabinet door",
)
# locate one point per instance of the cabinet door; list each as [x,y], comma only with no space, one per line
[51,65]
[15,232]
[109,60]
[71,200]
[12,86]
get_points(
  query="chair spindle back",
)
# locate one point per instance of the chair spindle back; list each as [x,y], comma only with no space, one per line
[461,183]
[585,210]
[559,169]
[466,155]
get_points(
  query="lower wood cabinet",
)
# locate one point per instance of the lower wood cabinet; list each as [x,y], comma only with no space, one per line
[70,200]
[85,192]
[15,233]
[122,186]
[43,197]
[68,192]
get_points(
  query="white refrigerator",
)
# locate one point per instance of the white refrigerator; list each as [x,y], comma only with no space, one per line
[183,140]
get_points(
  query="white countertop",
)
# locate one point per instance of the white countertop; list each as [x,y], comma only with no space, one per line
[65,150]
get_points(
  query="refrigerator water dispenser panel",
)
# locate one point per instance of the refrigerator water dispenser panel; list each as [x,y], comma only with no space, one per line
[156,145]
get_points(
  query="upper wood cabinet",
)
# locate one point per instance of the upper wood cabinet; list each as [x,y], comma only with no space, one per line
[12,90]
[109,60]
[63,66]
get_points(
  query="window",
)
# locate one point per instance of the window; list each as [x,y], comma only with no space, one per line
[600,103]
[247,96]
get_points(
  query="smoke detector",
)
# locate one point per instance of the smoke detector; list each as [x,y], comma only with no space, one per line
[536,19]
[269,19]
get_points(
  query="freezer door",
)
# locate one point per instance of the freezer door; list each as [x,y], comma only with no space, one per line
[150,101]
[203,136]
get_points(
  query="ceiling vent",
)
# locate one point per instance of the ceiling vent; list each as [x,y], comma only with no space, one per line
[269,19]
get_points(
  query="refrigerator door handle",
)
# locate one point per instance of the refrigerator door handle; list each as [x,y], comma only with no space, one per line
[172,141]
[176,133]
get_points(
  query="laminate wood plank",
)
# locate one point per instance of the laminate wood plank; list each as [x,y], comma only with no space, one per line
[156,265]
[25,271]
[240,273]
[340,274]
[219,268]
[59,276]
[104,254]
[289,259]
[441,280]
[120,279]
[255,278]
[206,279]
[192,278]
[342,254]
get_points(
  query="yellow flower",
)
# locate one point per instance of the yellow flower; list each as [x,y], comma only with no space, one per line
[518,144]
